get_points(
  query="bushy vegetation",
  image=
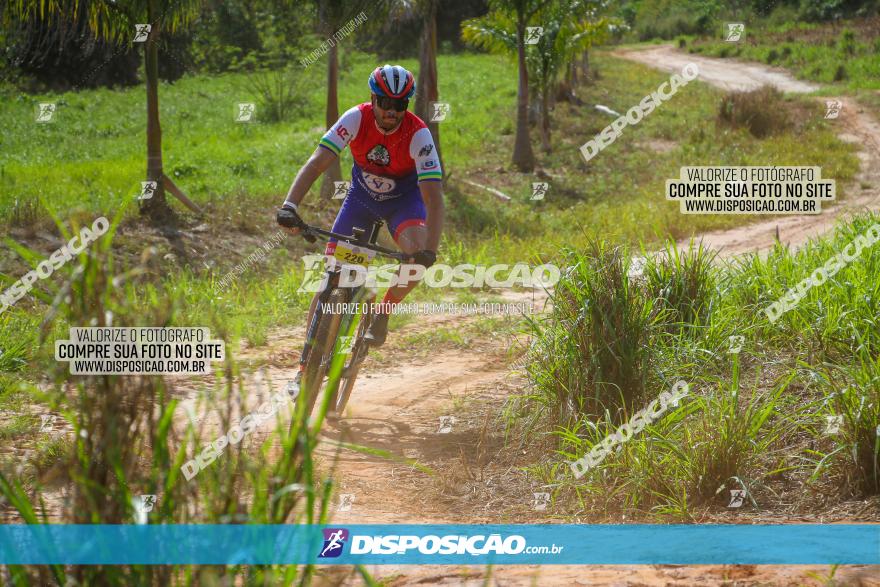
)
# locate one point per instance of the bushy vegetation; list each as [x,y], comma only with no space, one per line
[668,19]
[760,111]
[131,436]
[823,53]
[606,324]
[757,419]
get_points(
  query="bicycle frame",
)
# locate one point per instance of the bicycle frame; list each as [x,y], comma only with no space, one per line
[356,294]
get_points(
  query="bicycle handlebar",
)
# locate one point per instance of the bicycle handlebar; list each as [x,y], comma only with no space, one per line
[310,233]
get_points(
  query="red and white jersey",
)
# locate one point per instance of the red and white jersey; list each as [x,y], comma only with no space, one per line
[407,151]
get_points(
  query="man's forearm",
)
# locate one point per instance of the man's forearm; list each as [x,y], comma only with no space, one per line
[301,184]
[317,164]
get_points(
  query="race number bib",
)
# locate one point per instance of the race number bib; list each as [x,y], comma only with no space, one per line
[353,255]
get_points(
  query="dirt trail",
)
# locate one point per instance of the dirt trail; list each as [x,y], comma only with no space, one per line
[727,74]
[406,387]
[855,126]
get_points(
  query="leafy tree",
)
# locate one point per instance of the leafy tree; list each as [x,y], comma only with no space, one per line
[332,15]
[118,23]
[422,13]
[570,28]
[491,32]
[61,54]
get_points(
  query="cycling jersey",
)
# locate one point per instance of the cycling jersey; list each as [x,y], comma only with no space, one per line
[385,166]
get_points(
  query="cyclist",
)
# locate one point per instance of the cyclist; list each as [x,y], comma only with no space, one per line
[396,176]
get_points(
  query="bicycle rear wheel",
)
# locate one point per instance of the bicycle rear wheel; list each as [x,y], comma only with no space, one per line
[321,352]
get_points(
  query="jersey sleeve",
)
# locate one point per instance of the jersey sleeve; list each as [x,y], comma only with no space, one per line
[340,134]
[424,153]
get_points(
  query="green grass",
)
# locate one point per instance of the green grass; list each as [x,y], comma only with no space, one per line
[461,336]
[90,162]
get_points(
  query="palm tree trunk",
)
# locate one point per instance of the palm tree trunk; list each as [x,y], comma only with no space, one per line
[523,157]
[334,172]
[427,90]
[545,118]
[534,106]
[156,208]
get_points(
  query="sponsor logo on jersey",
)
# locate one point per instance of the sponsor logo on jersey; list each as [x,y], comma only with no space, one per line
[426,150]
[379,155]
[378,184]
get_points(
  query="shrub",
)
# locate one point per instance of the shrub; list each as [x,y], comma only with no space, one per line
[592,355]
[281,94]
[682,283]
[124,441]
[859,405]
[763,111]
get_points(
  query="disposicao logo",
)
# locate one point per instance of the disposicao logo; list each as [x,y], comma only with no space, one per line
[450,544]
[334,541]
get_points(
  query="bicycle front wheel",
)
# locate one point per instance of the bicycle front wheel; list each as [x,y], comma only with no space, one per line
[321,352]
[358,356]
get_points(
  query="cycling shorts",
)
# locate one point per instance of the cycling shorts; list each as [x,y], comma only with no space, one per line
[360,210]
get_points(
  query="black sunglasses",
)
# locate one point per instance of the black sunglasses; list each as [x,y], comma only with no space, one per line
[396,104]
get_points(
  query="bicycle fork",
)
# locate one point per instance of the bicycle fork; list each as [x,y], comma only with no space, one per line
[332,282]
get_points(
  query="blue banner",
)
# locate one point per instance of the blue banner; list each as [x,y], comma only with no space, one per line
[225,544]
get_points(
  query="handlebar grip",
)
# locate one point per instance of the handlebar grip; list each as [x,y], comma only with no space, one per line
[288,218]
[309,237]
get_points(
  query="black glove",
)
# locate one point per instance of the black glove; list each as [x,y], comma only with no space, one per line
[289,218]
[426,258]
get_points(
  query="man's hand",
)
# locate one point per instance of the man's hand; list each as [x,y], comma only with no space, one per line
[289,220]
[426,258]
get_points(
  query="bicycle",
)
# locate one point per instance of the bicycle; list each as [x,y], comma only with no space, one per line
[325,350]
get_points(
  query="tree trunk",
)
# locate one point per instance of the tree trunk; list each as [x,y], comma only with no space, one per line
[156,208]
[534,107]
[427,90]
[545,118]
[334,172]
[523,157]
